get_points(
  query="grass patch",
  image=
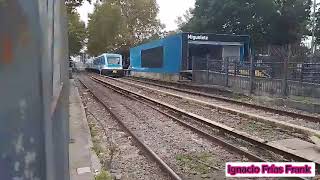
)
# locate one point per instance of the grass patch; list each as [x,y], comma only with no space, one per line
[317,135]
[93,130]
[302,99]
[100,150]
[252,125]
[240,97]
[95,141]
[97,148]
[103,175]
[200,163]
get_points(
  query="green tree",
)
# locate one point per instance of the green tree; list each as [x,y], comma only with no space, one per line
[103,28]
[262,19]
[233,17]
[183,20]
[291,22]
[121,24]
[76,33]
[140,20]
[73,4]
[317,27]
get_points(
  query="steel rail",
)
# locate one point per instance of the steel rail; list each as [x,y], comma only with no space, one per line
[283,124]
[265,108]
[146,148]
[287,153]
[199,131]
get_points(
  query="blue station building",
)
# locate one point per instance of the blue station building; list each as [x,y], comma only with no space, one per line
[173,56]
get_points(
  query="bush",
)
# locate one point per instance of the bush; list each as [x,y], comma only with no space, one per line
[103,175]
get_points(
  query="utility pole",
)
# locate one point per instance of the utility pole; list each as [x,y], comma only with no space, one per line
[313,44]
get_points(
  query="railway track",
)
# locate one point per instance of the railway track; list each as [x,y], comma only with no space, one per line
[308,117]
[201,131]
[141,144]
[287,153]
[304,127]
[196,129]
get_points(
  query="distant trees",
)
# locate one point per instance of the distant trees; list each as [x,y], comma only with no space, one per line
[76,33]
[117,25]
[73,4]
[291,21]
[317,27]
[121,24]
[76,28]
[183,20]
[267,21]
[103,28]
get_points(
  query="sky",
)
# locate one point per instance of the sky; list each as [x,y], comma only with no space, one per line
[170,10]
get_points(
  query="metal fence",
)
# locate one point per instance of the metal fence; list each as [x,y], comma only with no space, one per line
[278,78]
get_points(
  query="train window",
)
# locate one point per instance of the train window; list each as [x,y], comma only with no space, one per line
[103,62]
[99,60]
[152,58]
[114,60]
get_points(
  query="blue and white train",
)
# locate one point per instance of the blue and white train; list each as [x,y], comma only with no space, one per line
[107,64]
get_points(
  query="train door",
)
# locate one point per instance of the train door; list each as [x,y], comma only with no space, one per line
[102,62]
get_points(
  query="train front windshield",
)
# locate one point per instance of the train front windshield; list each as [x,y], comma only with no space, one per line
[114,60]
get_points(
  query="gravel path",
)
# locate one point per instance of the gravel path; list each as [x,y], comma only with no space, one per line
[256,128]
[128,162]
[190,155]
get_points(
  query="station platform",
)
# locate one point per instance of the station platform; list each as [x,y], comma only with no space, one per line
[83,161]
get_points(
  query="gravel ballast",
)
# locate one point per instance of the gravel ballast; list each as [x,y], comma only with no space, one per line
[128,161]
[190,155]
[256,128]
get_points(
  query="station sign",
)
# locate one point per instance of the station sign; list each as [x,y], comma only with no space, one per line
[198,37]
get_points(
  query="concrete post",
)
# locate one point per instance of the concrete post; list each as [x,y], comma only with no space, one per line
[301,73]
[252,74]
[285,72]
[227,72]
[207,70]
[235,68]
